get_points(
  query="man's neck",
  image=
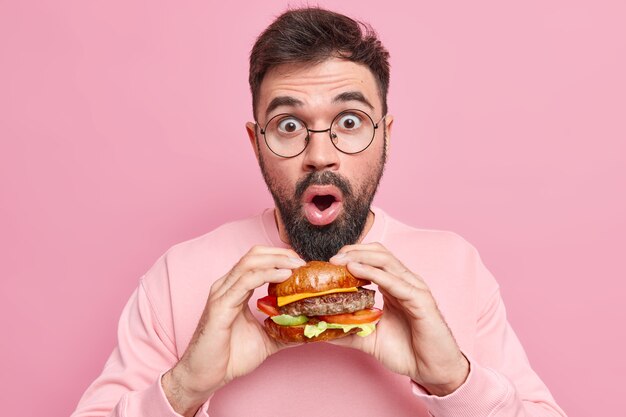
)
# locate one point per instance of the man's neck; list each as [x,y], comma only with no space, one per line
[282,233]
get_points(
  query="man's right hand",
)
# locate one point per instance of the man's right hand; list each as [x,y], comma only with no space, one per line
[228,342]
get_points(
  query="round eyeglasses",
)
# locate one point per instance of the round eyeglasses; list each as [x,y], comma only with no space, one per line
[351,131]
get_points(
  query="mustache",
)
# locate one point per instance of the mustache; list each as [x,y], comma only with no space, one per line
[323,178]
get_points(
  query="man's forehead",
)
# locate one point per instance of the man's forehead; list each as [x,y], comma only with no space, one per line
[331,80]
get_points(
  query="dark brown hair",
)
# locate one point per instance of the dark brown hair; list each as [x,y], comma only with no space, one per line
[312,35]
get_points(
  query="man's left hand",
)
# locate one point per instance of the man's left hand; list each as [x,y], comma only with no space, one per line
[412,338]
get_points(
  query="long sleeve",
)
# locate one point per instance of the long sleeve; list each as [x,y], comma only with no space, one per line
[129,384]
[161,316]
[501,382]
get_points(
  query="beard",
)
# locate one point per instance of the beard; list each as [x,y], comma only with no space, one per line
[313,242]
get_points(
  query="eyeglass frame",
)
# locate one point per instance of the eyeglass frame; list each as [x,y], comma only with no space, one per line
[309,131]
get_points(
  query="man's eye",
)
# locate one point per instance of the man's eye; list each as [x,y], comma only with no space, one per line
[290,125]
[349,122]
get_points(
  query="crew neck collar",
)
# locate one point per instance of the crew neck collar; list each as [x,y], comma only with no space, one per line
[375,234]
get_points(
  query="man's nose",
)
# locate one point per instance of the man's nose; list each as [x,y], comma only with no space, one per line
[320,153]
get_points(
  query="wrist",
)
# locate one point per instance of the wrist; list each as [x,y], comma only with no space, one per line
[184,400]
[453,382]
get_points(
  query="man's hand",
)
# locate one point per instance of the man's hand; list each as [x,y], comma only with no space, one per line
[228,342]
[412,337]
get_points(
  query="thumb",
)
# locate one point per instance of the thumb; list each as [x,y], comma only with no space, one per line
[351,341]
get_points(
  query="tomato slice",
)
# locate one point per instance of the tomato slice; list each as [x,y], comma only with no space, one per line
[268,305]
[367,315]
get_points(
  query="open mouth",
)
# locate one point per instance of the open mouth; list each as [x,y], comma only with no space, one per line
[322,202]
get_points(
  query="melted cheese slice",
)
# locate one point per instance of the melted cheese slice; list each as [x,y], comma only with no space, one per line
[296,297]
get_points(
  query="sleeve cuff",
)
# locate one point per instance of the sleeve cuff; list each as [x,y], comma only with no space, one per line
[153,402]
[483,392]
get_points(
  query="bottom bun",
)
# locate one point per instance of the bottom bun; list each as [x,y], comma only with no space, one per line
[295,334]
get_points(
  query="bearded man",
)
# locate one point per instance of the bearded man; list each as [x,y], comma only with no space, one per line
[189,341]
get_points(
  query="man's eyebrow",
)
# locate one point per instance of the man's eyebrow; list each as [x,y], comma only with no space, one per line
[353,96]
[282,101]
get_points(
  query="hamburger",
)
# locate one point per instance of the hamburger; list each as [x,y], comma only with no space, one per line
[319,302]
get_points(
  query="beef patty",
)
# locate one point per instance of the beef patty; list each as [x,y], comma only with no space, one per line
[337,303]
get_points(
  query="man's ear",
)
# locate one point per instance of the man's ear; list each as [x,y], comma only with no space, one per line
[251,129]
[388,126]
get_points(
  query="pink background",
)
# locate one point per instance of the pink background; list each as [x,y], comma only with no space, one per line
[122,133]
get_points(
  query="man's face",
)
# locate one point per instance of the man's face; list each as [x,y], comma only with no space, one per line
[322,195]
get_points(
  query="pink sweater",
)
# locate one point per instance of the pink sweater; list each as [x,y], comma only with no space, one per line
[318,379]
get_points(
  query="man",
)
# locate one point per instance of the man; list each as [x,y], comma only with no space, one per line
[189,342]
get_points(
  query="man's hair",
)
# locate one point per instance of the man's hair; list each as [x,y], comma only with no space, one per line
[312,35]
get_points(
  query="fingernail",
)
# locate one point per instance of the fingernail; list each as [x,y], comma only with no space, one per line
[297,261]
[283,273]
[339,256]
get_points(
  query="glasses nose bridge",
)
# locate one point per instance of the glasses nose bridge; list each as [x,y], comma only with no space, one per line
[318,131]
[332,135]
